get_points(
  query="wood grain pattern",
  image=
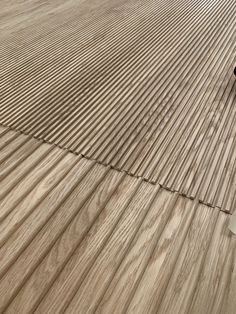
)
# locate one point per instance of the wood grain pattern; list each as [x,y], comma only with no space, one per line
[76,234]
[144,86]
[117,156]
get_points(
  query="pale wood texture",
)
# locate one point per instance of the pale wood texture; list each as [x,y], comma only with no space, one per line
[117,156]
[145,86]
[80,237]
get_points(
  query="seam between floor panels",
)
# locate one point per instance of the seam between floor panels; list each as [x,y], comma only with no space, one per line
[112,167]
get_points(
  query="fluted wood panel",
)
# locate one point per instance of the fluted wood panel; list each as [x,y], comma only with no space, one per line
[144,86]
[77,236]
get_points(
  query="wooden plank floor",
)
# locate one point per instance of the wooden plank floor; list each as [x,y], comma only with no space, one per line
[80,237]
[145,86]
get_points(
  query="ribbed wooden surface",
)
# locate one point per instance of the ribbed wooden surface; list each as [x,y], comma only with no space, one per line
[144,86]
[79,237]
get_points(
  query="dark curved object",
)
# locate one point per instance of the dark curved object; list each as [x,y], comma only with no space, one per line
[235,71]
